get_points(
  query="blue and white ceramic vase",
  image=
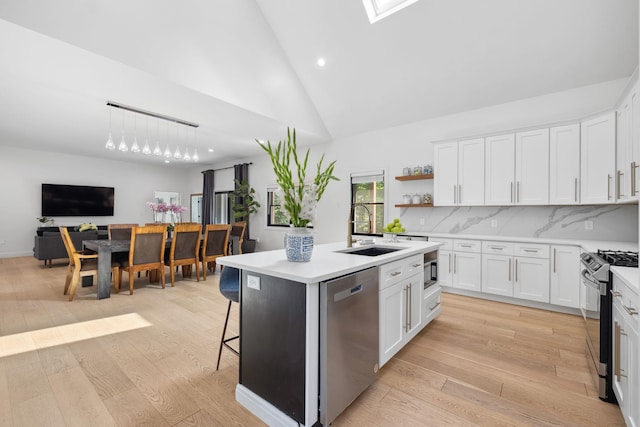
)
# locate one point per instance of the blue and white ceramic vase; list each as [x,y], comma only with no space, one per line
[298,244]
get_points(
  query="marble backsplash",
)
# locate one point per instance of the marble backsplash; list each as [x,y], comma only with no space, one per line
[610,222]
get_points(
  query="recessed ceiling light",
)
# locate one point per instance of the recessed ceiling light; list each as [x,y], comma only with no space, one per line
[321,62]
[210,150]
[167,161]
[379,9]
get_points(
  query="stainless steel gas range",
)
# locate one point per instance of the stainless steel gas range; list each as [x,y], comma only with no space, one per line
[596,281]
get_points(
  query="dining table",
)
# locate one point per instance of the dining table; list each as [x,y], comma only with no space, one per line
[105,249]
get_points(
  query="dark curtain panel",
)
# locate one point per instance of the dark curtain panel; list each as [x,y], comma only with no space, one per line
[208,197]
[241,173]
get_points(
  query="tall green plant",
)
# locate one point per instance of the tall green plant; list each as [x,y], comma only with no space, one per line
[244,202]
[300,199]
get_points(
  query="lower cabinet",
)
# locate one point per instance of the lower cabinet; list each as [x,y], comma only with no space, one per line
[626,370]
[459,263]
[565,276]
[404,308]
[506,271]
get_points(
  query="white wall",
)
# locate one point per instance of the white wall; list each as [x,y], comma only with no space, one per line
[410,145]
[23,172]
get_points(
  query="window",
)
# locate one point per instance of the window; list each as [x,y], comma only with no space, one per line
[367,197]
[275,215]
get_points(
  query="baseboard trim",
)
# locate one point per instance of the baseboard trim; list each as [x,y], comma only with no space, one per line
[262,409]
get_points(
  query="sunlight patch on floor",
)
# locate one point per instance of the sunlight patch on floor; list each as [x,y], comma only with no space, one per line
[65,334]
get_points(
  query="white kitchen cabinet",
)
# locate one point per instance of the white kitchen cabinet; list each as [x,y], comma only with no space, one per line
[627,147]
[499,170]
[459,173]
[517,168]
[625,328]
[519,270]
[565,276]
[401,303]
[598,159]
[564,165]
[532,168]
[445,268]
[467,265]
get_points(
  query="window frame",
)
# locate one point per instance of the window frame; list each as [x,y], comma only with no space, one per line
[373,207]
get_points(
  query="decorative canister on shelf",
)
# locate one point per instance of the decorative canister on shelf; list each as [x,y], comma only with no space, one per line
[427,199]
[417,170]
[417,199]
[406,199]
[298,199]
[406,171]
[428,169]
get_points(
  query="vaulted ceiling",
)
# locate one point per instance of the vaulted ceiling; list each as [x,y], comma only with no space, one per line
[246,69]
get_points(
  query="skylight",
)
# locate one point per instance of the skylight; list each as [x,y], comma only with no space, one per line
[379,9]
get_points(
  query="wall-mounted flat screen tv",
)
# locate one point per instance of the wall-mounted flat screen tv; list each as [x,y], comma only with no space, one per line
[76,200]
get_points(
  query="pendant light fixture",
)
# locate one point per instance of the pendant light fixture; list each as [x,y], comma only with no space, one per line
[168,153]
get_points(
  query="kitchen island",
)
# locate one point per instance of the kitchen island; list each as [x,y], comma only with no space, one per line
[281,313]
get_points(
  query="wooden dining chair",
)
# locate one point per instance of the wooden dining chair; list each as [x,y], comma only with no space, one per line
[82,264]
[214,245]
[237,230]
[185,249]
[120,231]
[146,253]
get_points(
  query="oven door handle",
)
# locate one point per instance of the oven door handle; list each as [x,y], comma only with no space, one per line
[588,280]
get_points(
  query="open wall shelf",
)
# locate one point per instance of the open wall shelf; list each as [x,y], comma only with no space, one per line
[414,177]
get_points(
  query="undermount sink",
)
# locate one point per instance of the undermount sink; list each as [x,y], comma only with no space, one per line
[370,250]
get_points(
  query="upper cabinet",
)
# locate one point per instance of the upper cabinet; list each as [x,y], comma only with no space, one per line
[564,165]
[517,168]
[627,144]
[459,174]
[598,159]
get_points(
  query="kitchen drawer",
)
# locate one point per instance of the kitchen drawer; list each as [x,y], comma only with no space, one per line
[447,244]
[395,271]
[474,246]
[627,300]
[531,250]
[431,303]
[497,248]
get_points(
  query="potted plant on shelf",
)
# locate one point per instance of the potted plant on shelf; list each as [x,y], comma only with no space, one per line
[298,198]
[243,204]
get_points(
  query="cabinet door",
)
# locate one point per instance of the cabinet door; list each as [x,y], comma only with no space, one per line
[471,172]
[619,355]
[416,286]
[564,165]
[499,170]
[532,168]
[597,160]
[392,320]
[445,268]
[497,275]
[633,377]
[466,271]
[634,159]
[531,279]
[445,174]
[623,151]
[565,276]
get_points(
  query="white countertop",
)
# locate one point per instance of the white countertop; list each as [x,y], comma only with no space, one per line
[587,245]
[325,262]
[629,275]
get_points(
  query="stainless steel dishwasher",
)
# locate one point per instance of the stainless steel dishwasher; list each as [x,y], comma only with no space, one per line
[348,340]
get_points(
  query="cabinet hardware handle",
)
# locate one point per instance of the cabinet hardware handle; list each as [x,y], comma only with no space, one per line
[608,186]
[395,273]
[634,183]
[616,294]
[619,184]
[554,260]
[434,307]
[531,250]
[516,270]
[509,269]
[518,192]
[409,306]
[511,191]
[455,191]
[449,263]
[417,265]
[459,194]
[465,246]
[616,350]
[575,190]
[455,261]
[497,248]
[630,310]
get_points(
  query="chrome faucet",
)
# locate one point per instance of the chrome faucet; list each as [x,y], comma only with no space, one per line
[352,221]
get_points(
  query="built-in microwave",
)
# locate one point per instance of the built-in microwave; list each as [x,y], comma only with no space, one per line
[430,269]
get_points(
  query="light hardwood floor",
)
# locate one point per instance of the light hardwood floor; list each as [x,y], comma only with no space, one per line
[149,359]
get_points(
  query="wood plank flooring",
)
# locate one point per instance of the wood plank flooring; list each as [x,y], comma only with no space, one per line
[149,359]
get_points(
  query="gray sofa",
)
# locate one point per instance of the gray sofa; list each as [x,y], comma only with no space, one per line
[49,245]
